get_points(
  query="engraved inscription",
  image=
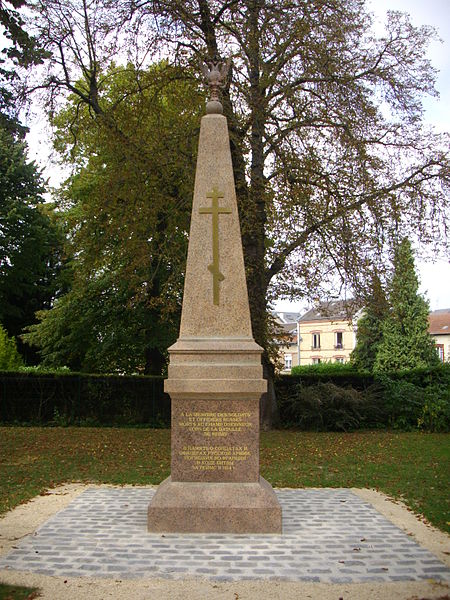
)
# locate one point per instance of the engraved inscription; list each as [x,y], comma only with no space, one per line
[215,210]
[215,441]
[215,424]
[214,458]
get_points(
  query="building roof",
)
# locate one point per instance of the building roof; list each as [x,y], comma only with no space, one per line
[439,322]
[287,327]
[335,310]
[286,317]
[285,334]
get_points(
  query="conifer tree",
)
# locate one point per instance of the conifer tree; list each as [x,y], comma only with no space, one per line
[406,343]
[370,326]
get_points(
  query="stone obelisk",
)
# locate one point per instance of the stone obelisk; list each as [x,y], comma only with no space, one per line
[215,374]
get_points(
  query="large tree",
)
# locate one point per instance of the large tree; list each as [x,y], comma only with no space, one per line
[30,242]
[29,239]
[20,52]
[126,209]
[405,342]
[328,146]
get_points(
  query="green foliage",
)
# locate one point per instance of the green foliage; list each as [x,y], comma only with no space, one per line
[42,370]
[404,400]
[324,172]
[435,412]
[341,374]
[21,50]
[10,359]
[326,406]
[127,211]
[325,368]
[370,327]
[96,328]
[417,398]
[29,240]
[405,342]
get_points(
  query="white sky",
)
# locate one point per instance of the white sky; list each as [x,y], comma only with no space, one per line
[435,277]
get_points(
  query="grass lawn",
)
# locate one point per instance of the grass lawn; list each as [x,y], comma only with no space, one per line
[14,592]
[412,466]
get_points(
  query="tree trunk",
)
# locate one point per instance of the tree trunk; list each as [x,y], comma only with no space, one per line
[255,215]
[155,361]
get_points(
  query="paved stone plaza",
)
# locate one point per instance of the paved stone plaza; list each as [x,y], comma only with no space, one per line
[329,536]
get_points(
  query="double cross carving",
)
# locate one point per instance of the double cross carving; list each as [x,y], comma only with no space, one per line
[215,210]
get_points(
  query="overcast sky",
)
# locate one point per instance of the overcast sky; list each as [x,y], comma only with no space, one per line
[435,277]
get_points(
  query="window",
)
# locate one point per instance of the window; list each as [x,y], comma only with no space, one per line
[440,351]
[316,361]
[287,362]
[315,341]
[339,340]
[339,359]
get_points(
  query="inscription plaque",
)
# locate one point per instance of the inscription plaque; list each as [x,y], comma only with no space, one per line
[215,441]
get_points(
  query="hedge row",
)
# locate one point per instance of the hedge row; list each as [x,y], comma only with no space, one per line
[81,399]
[342,399]
[316,399]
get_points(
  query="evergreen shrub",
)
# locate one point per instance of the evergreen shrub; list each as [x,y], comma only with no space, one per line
[417,398]
[326,406]
[402,400]
[341,374]
[323,368]
[435,411]
[406,400]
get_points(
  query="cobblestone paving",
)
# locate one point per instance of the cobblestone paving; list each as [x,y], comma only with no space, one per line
[328,535]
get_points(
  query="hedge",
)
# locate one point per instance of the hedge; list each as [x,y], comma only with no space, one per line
[342,375]
[82,399]
[320,399]
[342,399]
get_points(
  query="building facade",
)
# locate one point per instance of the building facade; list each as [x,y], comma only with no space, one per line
[439,329]
[327,333]
[286,330]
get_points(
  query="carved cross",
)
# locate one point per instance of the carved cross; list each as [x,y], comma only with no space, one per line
[215,210]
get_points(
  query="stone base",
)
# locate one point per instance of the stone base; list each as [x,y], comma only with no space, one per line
[204,507]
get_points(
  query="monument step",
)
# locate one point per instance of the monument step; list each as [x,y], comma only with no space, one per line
[215,345]
[219,387]
[214,371]
[198,507]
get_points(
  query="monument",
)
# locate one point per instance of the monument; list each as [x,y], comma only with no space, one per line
[215,373]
